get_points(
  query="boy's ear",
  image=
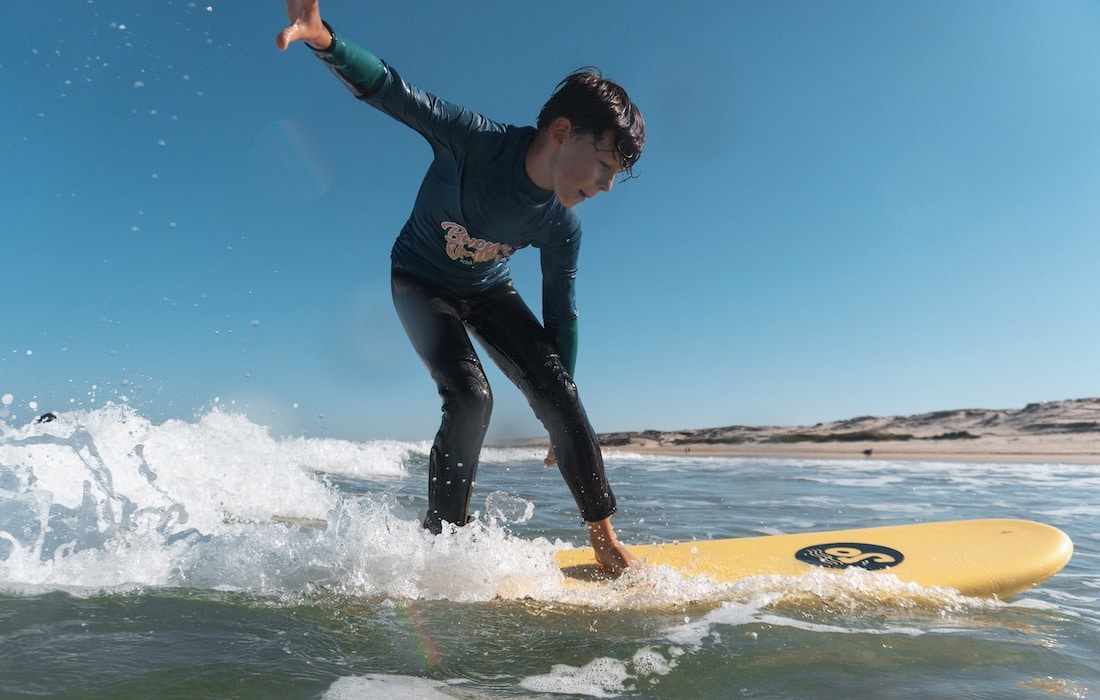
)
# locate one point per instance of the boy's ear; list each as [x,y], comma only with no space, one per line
[560,129]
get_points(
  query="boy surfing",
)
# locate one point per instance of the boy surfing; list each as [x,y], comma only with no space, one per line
[491,190]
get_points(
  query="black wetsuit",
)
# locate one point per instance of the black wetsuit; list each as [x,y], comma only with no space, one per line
[475,208]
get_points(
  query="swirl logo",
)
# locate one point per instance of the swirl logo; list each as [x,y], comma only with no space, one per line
[844,555]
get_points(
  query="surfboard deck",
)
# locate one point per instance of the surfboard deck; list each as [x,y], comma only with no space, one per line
[983,558]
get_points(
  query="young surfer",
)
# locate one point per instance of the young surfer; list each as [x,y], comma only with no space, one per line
[492,189]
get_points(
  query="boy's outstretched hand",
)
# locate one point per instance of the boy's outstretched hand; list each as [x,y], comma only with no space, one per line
[305,25]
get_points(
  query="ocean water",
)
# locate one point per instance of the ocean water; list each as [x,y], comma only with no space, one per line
[208,559]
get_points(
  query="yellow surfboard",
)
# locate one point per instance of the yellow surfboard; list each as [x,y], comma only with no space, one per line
[984,558]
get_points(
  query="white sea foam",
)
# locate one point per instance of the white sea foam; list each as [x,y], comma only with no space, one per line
[106,498]
[390,687]
[600,678]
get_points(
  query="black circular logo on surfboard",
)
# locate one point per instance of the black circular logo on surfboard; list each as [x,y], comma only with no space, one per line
[845,555]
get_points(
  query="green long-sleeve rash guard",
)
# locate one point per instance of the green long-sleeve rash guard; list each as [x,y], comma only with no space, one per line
[476,205]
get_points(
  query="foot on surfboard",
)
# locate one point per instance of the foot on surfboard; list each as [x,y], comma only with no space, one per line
[610,553]
[617,559]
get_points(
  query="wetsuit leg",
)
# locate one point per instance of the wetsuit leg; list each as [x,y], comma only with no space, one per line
[520,346]
[436,331]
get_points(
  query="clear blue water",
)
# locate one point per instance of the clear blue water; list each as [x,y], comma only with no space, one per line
[208,559]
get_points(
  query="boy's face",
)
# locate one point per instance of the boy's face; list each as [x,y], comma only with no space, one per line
[584,167]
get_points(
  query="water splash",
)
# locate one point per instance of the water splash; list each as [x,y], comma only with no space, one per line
[106,498]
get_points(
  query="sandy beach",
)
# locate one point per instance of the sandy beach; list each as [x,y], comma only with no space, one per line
[1057,431]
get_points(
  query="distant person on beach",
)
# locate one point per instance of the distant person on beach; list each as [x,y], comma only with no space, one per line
[491,190]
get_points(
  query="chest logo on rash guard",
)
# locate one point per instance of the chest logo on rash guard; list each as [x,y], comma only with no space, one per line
[465,249]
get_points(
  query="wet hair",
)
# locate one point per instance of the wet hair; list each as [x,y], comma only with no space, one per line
[599,107]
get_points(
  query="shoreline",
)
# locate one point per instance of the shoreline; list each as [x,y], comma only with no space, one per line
[1051,449]
[1042,453]
[1052,432]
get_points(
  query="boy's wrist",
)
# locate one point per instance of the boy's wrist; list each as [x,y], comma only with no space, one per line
[331,40]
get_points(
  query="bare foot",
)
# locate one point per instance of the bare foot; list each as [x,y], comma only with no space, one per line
[610,553]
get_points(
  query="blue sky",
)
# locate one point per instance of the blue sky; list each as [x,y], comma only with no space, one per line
[844,208]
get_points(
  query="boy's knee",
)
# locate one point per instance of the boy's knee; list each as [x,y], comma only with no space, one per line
[468,394]
[558,401]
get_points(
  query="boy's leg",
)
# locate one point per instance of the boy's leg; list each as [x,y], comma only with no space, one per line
[440,339]
[519,345]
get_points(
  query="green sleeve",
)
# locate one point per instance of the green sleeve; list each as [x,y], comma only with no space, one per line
[360,69]
[565,340]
